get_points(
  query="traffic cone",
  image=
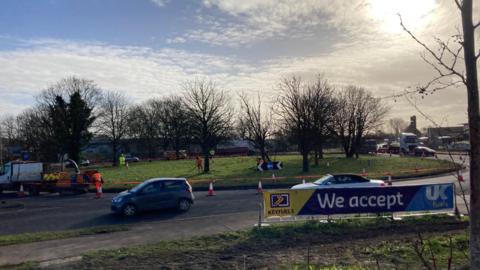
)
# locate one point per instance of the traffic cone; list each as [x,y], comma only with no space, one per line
[21,192]
[211,192]
[259,189]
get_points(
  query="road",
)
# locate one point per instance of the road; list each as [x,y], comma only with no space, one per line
[228,211]
[54,212]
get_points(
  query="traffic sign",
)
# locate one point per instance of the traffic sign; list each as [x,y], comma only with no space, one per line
[271,165]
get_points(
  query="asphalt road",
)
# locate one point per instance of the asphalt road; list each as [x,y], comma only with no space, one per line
[54,212]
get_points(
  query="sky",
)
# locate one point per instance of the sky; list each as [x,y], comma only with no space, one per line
[150,48]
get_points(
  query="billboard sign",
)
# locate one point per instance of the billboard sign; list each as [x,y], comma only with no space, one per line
[333,201]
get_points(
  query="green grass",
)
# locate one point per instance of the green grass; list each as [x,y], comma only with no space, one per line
[44,236]
[241,170]
[380,239]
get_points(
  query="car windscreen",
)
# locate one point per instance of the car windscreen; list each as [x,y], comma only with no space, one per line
[323,179]
[139,187]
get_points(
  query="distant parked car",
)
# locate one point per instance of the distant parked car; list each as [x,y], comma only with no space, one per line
[131,159]
[424,151]
[382,148]
[341,181]
[157,193]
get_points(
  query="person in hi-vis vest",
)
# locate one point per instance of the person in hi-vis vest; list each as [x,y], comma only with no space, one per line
[98,180]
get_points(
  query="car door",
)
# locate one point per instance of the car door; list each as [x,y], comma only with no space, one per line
[358,181]
[150,196]
[172,191]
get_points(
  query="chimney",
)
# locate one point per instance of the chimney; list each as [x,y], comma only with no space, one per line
[413,122]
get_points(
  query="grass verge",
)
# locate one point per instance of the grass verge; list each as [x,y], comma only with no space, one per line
[241,171]
[345,244]
[44,236]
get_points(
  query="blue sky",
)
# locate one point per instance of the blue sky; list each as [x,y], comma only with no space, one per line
[150,47]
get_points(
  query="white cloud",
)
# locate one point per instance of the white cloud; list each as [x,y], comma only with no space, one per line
[384,61]
[160,3]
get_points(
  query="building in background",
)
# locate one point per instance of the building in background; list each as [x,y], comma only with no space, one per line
[412,128]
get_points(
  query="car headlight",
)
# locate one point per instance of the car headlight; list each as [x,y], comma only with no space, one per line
[117,199]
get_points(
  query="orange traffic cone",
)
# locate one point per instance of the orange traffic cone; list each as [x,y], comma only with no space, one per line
[21,192]
[259,189]
[211,192]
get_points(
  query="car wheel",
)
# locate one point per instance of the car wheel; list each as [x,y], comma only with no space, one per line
[184,205]
[129,210]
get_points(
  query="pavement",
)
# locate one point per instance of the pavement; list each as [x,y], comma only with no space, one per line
[228,211]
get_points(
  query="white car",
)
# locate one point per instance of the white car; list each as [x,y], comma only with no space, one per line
[341,181]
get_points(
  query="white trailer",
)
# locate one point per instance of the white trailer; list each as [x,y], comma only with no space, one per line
[31,176]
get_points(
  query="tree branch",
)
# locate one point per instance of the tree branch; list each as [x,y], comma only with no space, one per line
[439,58]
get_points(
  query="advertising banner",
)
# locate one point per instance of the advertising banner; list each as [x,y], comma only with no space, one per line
[331,201]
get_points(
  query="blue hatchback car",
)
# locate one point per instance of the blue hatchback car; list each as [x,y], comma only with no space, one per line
[157,193]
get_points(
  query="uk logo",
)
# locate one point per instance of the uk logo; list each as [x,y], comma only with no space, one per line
[279,200]
[436,192]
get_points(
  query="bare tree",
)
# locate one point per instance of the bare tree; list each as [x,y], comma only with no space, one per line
[112,121]
[9,129]
[324,107]
[297,115]
[445,61]
[358,113]
[255,125]
[144,123]
[397,125]
[35,135]
[210,114]
[88,90]
[175,123]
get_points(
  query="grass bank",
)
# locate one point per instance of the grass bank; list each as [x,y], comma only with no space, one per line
[44,236]
[238,171]
[345,244]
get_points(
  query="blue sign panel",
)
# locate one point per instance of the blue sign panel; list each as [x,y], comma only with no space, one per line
[379,199]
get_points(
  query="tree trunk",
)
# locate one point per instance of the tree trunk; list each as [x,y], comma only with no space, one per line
[305,165]
[474,125]
[267,157]
[206,163]
[320,151]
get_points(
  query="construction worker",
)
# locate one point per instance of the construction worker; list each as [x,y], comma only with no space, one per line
[199,164]
[98,180]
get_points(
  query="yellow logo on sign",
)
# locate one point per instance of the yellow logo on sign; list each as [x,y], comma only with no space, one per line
[279,200]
